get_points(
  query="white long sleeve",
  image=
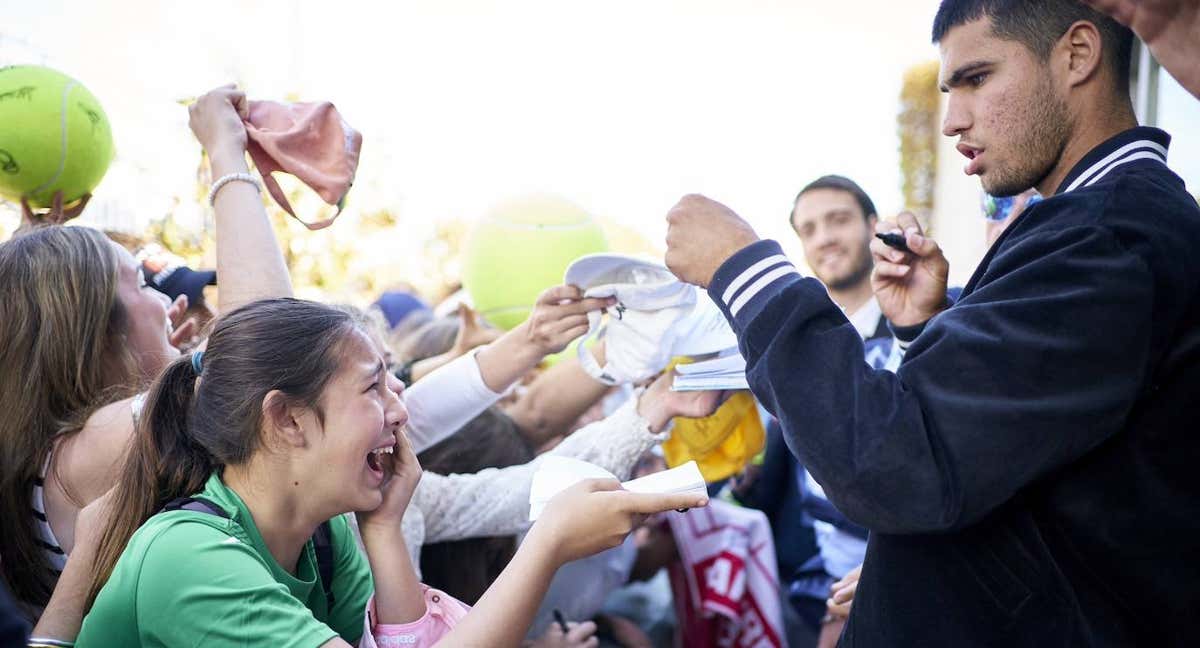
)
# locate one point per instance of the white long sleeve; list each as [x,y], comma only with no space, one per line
[495,501]
[445,400]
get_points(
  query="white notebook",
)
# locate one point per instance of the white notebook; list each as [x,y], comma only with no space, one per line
[556,474]
[724,372]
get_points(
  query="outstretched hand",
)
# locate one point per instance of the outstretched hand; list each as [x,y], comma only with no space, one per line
[559,317]
[183,328]
[597,514]
[472,332]
[57,214]
[658,404]
[217,119]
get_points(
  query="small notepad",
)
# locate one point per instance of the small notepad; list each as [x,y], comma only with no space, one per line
[721,373]
[556,474]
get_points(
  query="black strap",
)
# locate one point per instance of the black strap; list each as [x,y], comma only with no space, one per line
[196,505]
[323,546]
[322,539]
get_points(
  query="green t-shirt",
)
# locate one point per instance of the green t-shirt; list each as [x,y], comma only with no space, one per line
[195,579]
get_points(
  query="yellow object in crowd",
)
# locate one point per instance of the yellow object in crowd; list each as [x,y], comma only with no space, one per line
[721,444]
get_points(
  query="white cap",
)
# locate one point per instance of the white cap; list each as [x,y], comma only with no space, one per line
[593,270]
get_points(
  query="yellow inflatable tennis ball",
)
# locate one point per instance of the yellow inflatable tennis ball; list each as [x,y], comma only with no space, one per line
[53,136]
[521,248]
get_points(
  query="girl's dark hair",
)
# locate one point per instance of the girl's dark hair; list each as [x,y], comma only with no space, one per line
[193,425]
[465,568]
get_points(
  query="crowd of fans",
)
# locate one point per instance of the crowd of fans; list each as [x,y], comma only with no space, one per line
[188,465]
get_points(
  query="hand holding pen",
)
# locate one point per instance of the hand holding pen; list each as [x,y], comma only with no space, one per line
[910,274]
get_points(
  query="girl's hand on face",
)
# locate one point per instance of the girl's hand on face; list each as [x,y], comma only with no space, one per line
[597,514]
[217,117]
[402,472]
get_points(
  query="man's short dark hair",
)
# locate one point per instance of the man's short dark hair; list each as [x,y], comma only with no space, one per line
[1038,24]
[841,183]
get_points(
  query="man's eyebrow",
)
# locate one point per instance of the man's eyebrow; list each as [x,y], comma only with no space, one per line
[963,72]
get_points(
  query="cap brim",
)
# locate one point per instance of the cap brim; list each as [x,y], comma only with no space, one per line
[606,268]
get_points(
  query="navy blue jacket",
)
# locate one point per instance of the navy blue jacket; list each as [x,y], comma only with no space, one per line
[1031,474]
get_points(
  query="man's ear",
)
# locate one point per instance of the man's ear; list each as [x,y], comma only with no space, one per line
[284,421]
[1081,48]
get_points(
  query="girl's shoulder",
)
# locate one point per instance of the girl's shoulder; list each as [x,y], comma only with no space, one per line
[89,461]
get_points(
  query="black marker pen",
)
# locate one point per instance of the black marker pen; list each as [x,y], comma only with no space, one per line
[894,241]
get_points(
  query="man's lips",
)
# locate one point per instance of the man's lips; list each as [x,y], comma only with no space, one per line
[972,154]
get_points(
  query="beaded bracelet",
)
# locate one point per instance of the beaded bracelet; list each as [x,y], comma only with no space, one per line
[232,177]
[41,642]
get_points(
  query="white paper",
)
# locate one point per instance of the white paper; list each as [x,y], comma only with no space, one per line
[721,373]
[556,474]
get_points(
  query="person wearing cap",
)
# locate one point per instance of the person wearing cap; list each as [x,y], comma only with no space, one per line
[177,280]
[1028,473]
[403,310]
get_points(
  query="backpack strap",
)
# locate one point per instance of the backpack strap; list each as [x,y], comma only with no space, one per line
[196,505]
[323,547]
[322,539]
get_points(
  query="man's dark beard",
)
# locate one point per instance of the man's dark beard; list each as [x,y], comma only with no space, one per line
[860,274]
[1048,126]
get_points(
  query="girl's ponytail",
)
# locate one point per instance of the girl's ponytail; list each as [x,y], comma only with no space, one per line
[164,463]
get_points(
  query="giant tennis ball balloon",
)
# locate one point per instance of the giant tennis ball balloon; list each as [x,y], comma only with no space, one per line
[53,136]
[521,248]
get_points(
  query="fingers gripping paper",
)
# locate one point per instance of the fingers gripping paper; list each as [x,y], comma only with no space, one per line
[556,474]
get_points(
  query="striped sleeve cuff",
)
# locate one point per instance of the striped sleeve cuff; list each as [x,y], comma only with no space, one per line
[748,280]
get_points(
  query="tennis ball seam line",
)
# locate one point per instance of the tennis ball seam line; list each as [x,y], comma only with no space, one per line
[62,156]
[538,226]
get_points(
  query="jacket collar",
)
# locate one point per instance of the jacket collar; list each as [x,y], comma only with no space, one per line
[1140,143]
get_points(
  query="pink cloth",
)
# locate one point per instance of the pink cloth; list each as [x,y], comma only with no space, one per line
[725,585]
[308,140]
[442,613]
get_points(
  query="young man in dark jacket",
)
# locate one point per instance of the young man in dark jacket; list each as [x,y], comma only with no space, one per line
[1029,473]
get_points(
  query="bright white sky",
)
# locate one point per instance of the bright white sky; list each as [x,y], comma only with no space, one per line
[621,106]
